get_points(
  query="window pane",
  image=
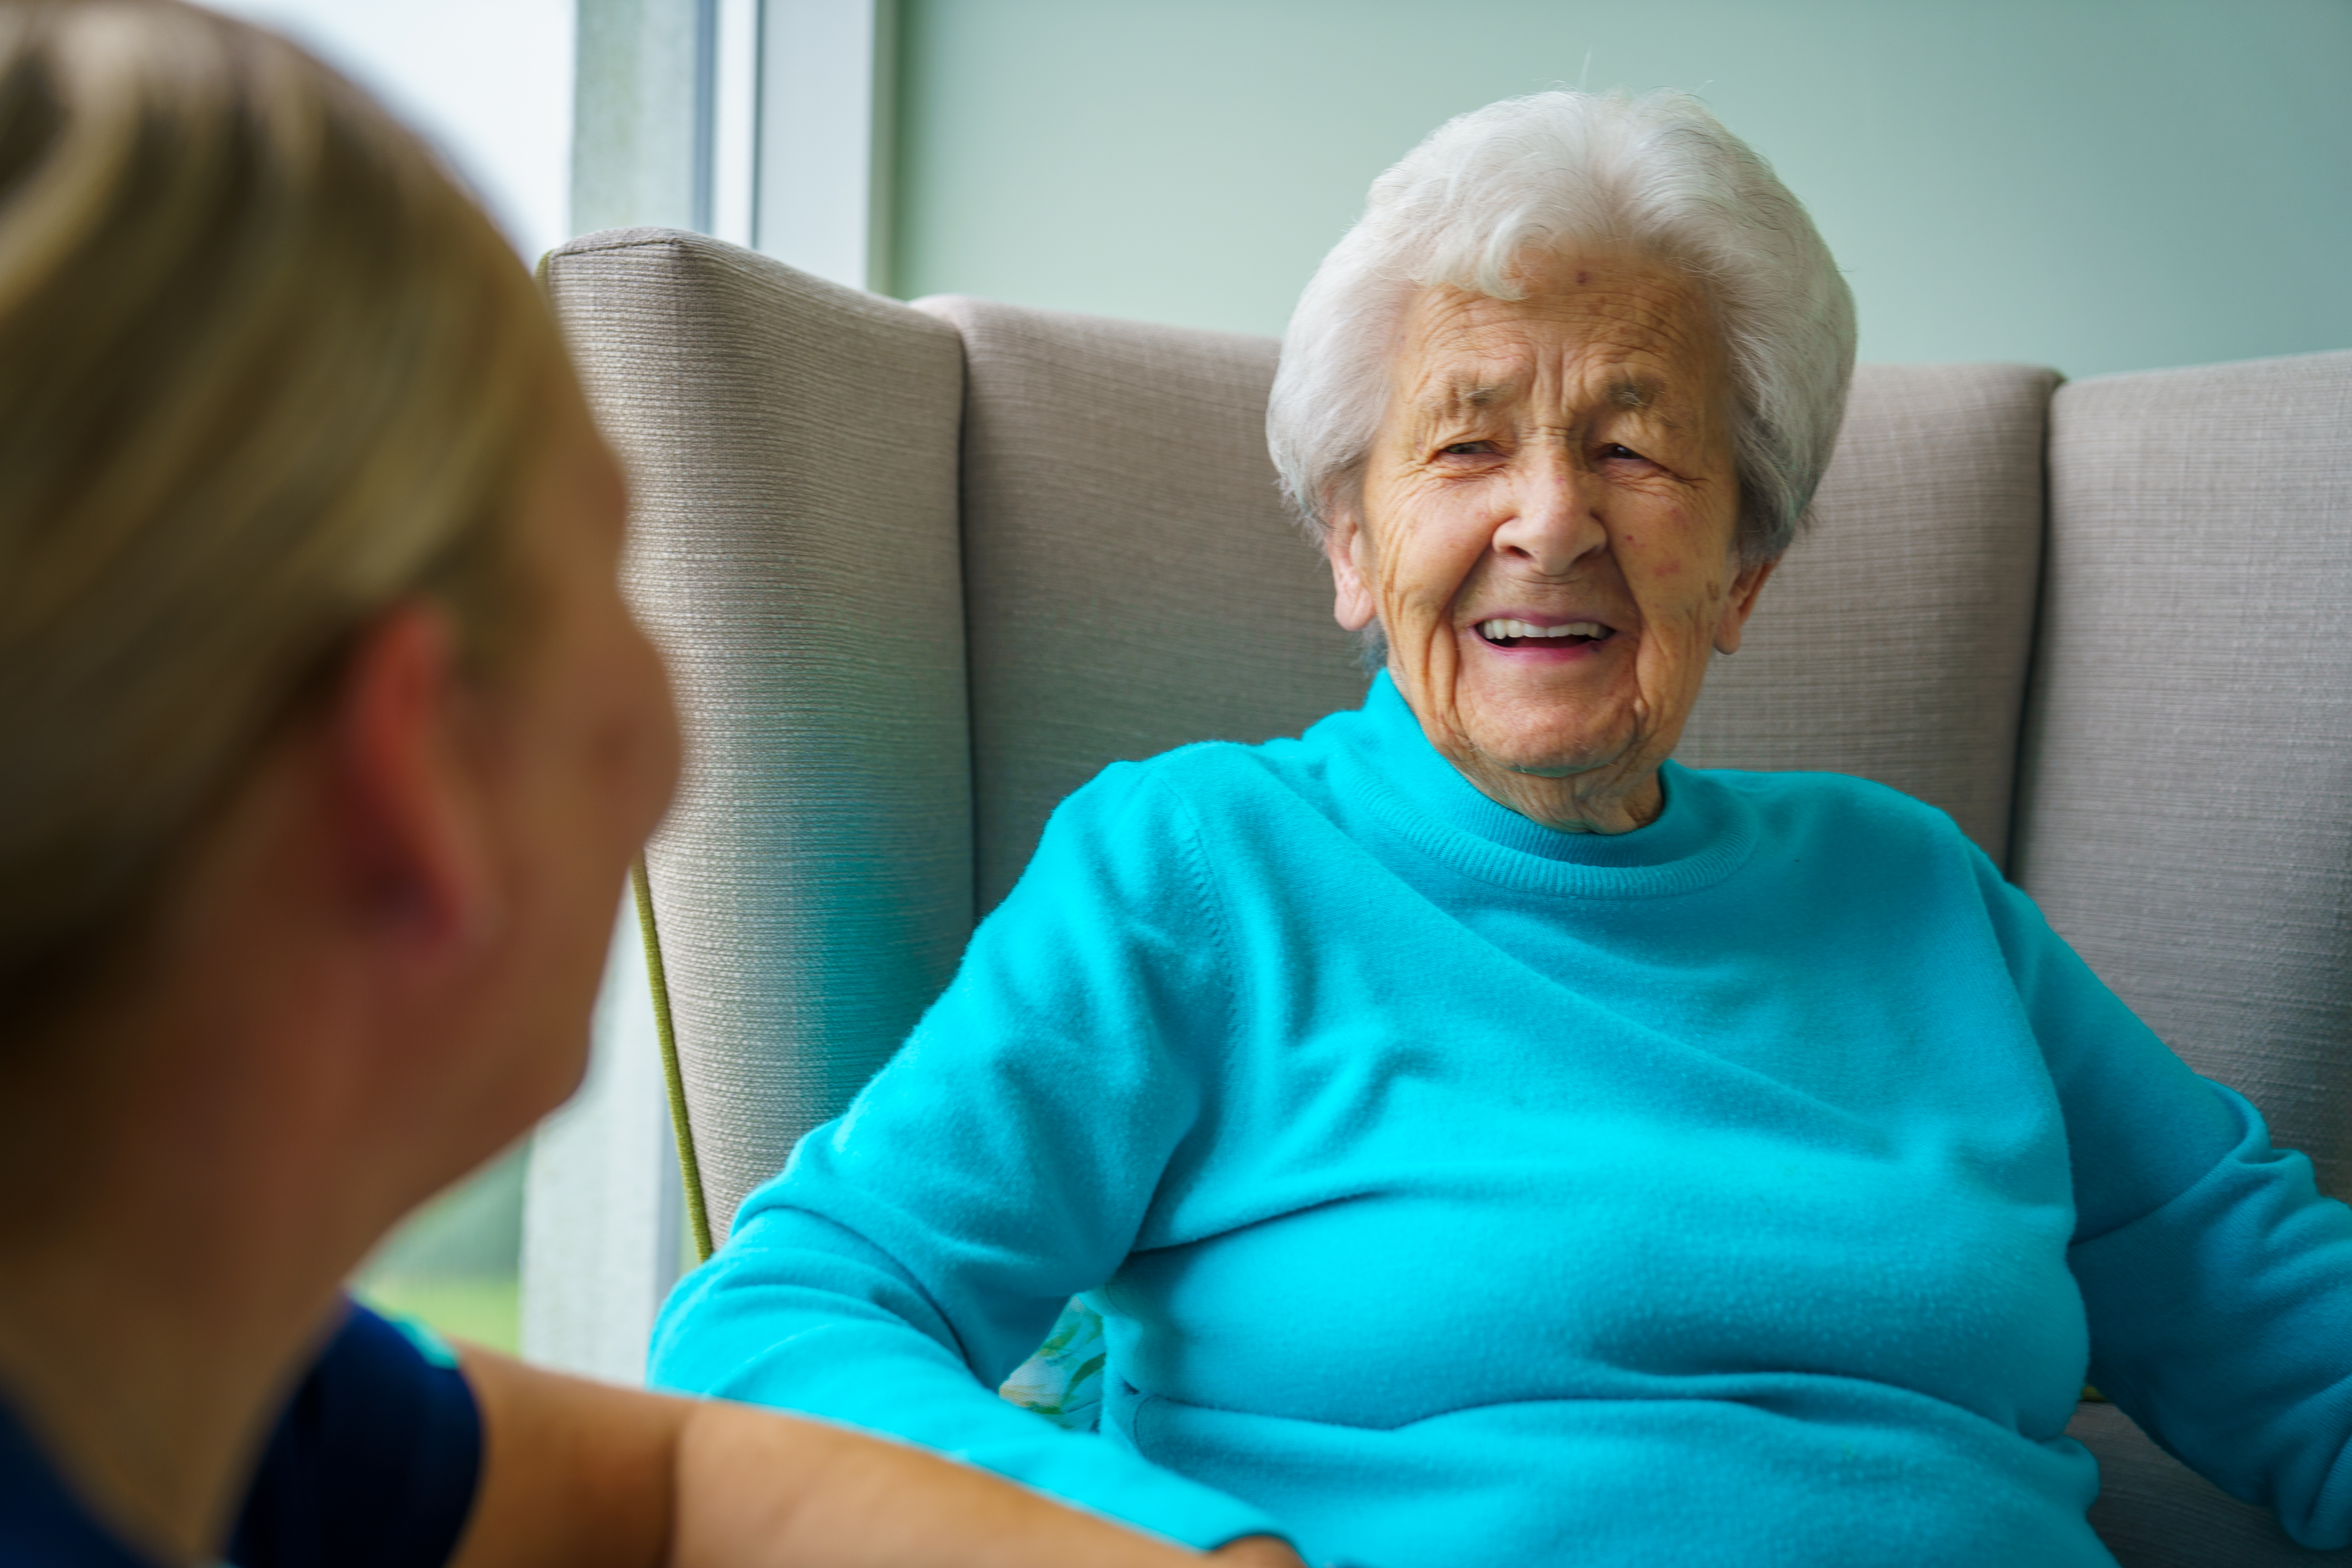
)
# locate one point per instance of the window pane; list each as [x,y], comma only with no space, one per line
[453,1265]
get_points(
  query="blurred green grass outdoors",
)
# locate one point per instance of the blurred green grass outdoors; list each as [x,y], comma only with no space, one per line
[456,1265]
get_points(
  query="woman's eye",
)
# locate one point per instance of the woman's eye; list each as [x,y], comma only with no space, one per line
[1613,450]
[1467,449]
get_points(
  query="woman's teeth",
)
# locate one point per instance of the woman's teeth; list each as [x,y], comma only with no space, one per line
[1505,631]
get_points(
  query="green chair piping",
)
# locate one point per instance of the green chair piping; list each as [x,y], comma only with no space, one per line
[689,1169]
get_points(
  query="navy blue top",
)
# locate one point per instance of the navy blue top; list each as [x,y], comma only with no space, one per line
[373,1465]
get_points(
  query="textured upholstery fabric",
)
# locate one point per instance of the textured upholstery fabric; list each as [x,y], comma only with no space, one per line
[793,449]
[1893,641]
[1132,579]
[2155,1512]
[2187,819]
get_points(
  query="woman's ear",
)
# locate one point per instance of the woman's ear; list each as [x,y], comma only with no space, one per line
[1348,549]
[1739,604]
[406,753]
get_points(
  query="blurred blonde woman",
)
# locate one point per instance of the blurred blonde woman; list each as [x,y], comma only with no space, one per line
[329,740]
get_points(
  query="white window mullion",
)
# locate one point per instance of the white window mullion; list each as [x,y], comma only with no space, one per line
[826,70]
[735,122]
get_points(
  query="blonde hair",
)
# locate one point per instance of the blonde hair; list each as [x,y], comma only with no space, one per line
[265,371]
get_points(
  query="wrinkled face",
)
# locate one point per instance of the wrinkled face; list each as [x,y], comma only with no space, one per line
[1546,526]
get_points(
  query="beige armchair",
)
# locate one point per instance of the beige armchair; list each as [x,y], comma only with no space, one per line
[920,571]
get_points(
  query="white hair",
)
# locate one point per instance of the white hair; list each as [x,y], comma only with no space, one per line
[1556,171]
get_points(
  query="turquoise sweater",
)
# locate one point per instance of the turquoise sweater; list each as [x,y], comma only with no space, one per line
[1756,1187]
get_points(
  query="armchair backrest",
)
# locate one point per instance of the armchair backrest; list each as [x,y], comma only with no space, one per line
[792,450]
[2187,813]
[919,572]
[893,664]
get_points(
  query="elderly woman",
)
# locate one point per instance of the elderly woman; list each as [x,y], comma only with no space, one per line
[329,744]
[1486,1141]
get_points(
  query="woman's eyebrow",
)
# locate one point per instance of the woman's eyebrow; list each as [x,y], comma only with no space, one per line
[1651,397]
[1635,391]
[1453,398]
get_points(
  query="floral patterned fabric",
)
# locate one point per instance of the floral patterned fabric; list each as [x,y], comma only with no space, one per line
[1062,1382]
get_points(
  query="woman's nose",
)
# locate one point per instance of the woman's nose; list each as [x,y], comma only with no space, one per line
[1553,523]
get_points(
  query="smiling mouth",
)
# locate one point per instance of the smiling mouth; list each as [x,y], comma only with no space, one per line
[1524,634]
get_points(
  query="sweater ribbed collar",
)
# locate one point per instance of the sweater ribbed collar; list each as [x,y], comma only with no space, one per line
[1702,834]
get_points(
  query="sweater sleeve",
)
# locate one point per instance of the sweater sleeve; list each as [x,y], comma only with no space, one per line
[2216,1279]
[915,1250]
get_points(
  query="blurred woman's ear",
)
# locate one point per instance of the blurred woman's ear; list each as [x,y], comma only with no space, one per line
[414,839]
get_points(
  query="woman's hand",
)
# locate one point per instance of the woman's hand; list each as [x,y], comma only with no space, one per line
[1257,1552]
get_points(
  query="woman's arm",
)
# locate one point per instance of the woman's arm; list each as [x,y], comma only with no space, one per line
[582,1475]
[2221,1323]
[2216,1279]
[918,1248]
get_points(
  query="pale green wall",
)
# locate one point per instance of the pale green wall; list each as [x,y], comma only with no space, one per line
[2096,185]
